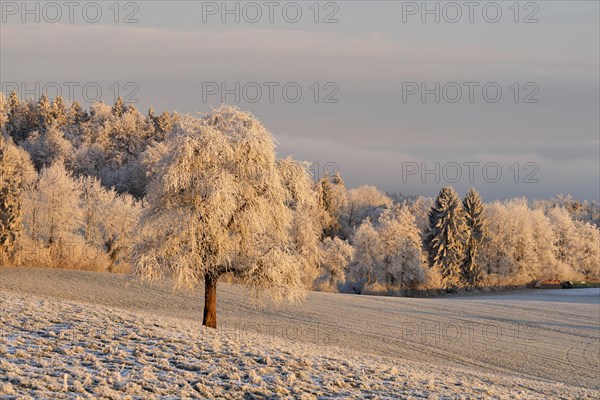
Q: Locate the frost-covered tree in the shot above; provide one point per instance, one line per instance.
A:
(388, 252)
(111, 148)
(59, 112)
(587, 256)
(367, 256)
(401, 258)
(150, 159)
(44, 112)
(420, 209)
(151, 117)
(333, 199)
(162, 124)
(128, 137)
(118, 233)
(48, 147)
(566, 234)
(52, 206)
(95, 207)
(94, 155)
(579, 210)
(119, 107)
(335, 256)
(496, 256)
(10, 202)
(445, 242)
(510, 251)
(220, 205)
(521, 244)
(77, 115)
(364, 201)
(577, 243)
(307, 223)
(545, 264)
(20, 118)
(4, 110)
(475, 220)
(323, 189)
(108, 218)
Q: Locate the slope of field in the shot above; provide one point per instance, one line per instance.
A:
(68, 333)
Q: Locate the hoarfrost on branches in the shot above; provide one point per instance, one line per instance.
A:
(222, 203)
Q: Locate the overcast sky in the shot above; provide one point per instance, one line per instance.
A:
(373, 64)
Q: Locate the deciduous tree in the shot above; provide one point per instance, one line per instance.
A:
(220, 205)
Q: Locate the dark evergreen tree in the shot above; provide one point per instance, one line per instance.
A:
(18, 125)
(324, 193)
(131, 109)
(77, 115)
(445, 239)
(118, 107)
(475, 220)
(332, 199)
(44, 111)
(151, 115)
(59, 112)
(165, 122)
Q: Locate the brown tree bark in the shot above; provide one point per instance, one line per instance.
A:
(210, 301)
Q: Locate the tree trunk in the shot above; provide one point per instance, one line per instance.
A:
(210, 301)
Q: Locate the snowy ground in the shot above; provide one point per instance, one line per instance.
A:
(67, 334)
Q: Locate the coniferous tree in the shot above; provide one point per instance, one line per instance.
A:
(338, 198)
(445, 241)
(131, 109)
(18, 124)
(59, 112)
(13, 100)
(118, 107)
(324, 197)
(151, 118)
(163, 124)
(4, 110)
(333, 199)
(77, 115)
(44, 110)
(13, 109)
(473, 206)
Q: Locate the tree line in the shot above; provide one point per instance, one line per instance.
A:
(195, 198)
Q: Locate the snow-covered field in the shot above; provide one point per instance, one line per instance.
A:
(69, 334)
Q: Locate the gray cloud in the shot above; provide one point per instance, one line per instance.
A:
(369, 54)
